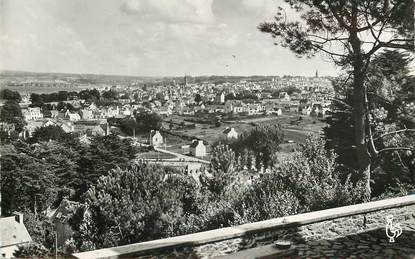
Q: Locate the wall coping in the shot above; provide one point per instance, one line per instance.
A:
(210, 236)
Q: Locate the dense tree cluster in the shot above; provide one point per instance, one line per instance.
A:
(141, 123)
(132, 202)
(6, 94)
(34, 174)
(390, 94)
(288, 89)
(11, 113)
(41, 100)
(351, 33)
(261, 143)
(51, 132)
(144, 202)
(38, 100)
(88, 95)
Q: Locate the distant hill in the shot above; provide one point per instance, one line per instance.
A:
(8, 75)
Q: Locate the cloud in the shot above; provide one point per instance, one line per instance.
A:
(239, 9)
(142, 37)
(170, 11)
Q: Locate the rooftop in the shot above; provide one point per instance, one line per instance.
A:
(13, 232)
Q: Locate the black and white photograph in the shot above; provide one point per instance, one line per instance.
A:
(196, 129)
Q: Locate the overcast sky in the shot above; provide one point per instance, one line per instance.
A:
(145, 37)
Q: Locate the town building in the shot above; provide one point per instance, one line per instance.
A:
(72, 116)
(198, 148)
(60, 217)
(156, 139)
(13, 233)
(86, 114)
(220, 98)
(230, 133)
(32, 113)
(54, 114)
(306, 110)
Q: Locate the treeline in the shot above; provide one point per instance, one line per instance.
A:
(11, 114)
(122, 202)
(138, 124)
(288, 89)
(145, 202)
(36, 177)
(391, 94)
(89, 95)
(46, 167)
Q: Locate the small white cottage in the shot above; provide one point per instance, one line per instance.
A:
(156, 139)
(230, 133)
(198, 148)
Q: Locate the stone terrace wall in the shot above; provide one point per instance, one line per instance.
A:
(319, 225)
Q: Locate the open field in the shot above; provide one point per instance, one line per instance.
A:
(295, 129)
(156, 155)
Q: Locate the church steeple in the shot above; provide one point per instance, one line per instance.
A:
(185, 79)
(316, 73)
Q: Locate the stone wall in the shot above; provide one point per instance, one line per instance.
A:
(329, 229)
(299, 229)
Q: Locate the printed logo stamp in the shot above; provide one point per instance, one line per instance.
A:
(392, 230)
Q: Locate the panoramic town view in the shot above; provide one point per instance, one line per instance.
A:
(207, 129)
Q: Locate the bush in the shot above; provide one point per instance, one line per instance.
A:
(313, 175)
(31, 250)
(263, 141)
(138, 204)
(266, 198)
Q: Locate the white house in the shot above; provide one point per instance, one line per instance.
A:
(294, 108)
(93, 107)
(198, 148)
(49, 123)
(112, 112)
(230, 133)
(86, 114)
(54, 114)
(220, 97)
(306, 110)
(66, 126)
(126, 111)
(164, 111)
(235, 107)
(12, 234)
(156, 139)
(72, 116)
(32, 113)
(284, 96)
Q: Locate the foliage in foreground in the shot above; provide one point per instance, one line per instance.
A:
(147, 202)
(32, 250)
(35, 175)
(391, 94)
(134, 205)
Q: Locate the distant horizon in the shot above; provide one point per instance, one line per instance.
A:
(147, 76)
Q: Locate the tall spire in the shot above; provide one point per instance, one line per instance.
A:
(317, 73)
(185, 79)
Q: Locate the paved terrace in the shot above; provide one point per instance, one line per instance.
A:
(356, 231)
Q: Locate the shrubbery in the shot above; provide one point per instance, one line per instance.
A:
(142, 202)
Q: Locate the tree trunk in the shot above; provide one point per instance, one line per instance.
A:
(359, 115)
